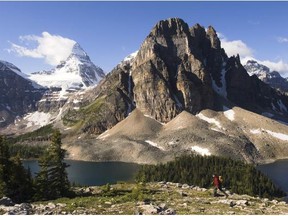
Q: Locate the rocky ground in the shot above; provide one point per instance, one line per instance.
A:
(152, 198)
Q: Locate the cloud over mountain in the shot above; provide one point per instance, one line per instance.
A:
(235, 47)
(52, 48)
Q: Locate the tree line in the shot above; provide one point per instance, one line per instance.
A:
(197, 170)
(21, 145)
(51, 182)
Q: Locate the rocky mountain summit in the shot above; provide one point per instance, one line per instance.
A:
(272, 78)
(162, 198)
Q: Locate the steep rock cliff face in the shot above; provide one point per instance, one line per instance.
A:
(169, 73)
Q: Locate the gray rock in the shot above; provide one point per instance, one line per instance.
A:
(22, 209)
(232, 204)
(183, 194)
(163, 206)
(149, 209)
(170, 211)
(185, 186)
(6, 201)
(242, 202)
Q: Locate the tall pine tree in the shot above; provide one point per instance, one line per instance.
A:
(15, 181)
(21, 185)
(4, 166)
(52, 180)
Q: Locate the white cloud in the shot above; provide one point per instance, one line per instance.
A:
(282, 40)
(246, 53)
(280, 66)
(235, 47)
(52, 48)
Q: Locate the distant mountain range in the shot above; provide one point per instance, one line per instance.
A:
(273, 78)
(178, 93)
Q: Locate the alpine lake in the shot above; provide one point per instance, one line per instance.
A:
(93, 173)
(100, 173)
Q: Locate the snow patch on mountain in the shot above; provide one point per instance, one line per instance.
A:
(201, 151)
(255, 131)
(280, 136)
(154, 145)
(210, 120)
(37, 119)
(283, 108)
(229, 113)
(222, 89)
(129, 59)
(131, 56)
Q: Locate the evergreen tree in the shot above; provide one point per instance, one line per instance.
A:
(42, 181)
(4, 166)
(21, 185)
(15, 181)
(52, 180)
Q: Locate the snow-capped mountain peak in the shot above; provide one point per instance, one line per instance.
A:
(75, 73)
(78, 50)
(273, 78)
(253, 67)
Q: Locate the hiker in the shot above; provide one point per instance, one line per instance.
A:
(217, 181)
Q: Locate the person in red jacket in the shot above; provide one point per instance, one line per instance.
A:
(218, 185)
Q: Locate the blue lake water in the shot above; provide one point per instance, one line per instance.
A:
(93, 173)
(277, 172)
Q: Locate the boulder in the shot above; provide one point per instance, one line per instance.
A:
(6, 201)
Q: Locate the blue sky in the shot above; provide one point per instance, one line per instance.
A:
(109, 31)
